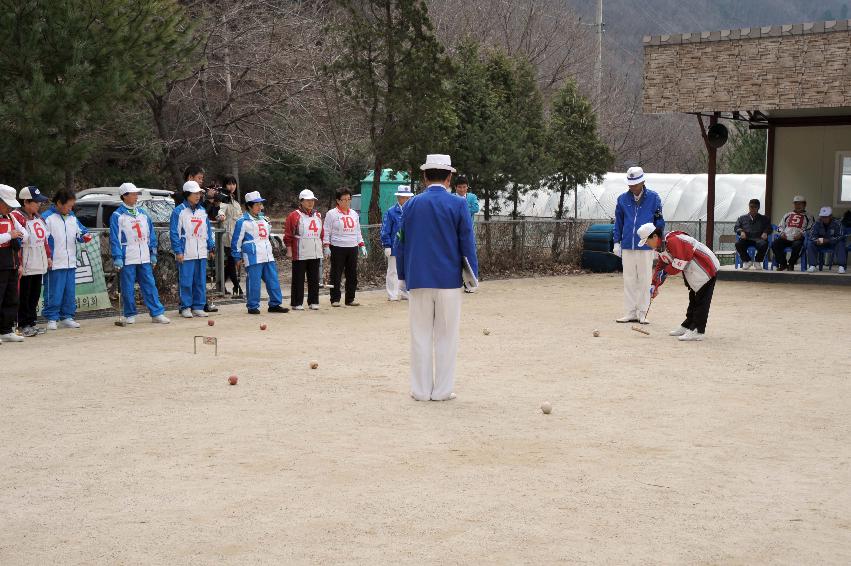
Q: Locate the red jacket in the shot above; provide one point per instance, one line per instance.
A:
(308, 245)
(682, 253)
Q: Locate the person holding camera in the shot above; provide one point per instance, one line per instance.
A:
(229, 212)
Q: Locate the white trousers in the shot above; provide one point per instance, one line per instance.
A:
(395, 291)
(435, 326)
(637, 277)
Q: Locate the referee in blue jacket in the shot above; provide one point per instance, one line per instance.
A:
(435, 237)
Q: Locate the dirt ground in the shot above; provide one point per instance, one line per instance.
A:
(122, 447)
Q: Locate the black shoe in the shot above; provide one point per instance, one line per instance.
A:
(278, 308)
(210, 307)
(237, 291)
(253, 311)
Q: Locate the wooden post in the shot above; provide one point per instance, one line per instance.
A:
(769, 171)
(710, 193)
(710, 185)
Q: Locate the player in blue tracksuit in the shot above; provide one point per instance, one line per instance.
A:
(435, 237)
(251, 245)
(60, 285)
(636, 207)
(133, 244)
(390, 225)
(192, 242)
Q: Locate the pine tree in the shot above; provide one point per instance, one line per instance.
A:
(68, 65)
(575, 153)
(394, 70)
(745, 152)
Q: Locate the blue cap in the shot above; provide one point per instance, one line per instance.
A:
(32, 193)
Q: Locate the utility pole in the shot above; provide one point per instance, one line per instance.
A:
(598, 68)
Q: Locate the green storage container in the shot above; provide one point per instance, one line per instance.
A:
(387, 196)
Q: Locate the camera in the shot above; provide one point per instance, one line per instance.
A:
(219, 194)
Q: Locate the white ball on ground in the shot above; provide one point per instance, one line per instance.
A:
(596, 334)
(546, 407)
(486, 332)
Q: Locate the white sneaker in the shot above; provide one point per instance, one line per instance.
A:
(11, 337)
(678, 331)
(186, 313)
(130, 320)
(757, 266)
(811, 269)
(841, 269)
(51, 325)
(161, 319)
(747, 265)
(314, 307)
(691, 336)
(199, 313)
(625, 319)
(298, 308)
(69, 323)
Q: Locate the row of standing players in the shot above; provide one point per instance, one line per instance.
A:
(41, 248)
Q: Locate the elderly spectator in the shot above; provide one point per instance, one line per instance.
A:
(790, 234)
(389, 229)
(827, 235)
(753, 229)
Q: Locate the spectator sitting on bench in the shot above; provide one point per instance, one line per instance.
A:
(753, 229)
(827, 235)
(790, 234)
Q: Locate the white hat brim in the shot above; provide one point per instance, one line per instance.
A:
(442, 166)
(12, 202)
(642, 242)
(633, 182)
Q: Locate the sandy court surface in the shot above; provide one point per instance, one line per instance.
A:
(122, 447)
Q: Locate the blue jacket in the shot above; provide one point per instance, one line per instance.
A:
(118, 238)
(629, 216)
(390, 225)
(833, 232)
(182, 230)
(436, 233)
(472, 204)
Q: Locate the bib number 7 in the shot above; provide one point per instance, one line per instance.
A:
(196, 226)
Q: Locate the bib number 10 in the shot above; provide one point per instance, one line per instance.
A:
(348, 223)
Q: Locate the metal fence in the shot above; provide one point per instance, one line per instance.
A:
(504, 247)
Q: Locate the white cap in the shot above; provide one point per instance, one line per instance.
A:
(798, 198)
(191, 187)
(306, 194)
(127, 188)
(254, 197)
(438, 161)
(7, 193)
(404, 191)
(644, 232)
(634, 176)
(825, 211)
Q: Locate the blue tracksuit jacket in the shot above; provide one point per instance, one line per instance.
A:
(436, 233)
(629, 216)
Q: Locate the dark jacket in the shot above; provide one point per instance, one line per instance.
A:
(753, 228)
(833, 232)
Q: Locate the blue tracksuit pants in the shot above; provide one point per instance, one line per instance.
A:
(193, 284)
(144, 274)
(60, 294)
(268, 273)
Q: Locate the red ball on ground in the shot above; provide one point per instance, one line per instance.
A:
(262, 327)
(211, 322)
(233, 379)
